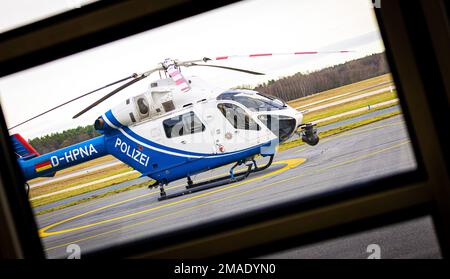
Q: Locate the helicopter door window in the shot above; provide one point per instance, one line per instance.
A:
(192, 123)
(238, 117)
(184, 124)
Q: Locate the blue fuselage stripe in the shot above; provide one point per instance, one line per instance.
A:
(132, 134)
(113, 119)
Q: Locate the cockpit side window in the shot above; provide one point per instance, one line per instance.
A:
(237, 117)
(257, 104)
(184, 124)
(273, 100)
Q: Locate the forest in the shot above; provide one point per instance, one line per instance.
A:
(305, 84)
(287, 88)
(62, 139)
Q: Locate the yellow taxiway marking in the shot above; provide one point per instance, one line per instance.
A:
(233, 196)
(290, 163)
(165, 215)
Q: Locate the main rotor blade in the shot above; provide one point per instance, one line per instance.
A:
(74, 99)
(227, 68)
(110, 94)
(254, 55)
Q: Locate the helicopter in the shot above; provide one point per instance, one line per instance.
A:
(181, 126)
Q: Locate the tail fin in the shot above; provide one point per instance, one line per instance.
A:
(22, 148)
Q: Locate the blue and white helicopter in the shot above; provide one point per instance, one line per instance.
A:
(179, 127)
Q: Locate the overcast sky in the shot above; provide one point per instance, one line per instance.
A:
(254, 26)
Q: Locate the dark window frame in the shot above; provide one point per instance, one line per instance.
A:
(398, 197)
(248, 118)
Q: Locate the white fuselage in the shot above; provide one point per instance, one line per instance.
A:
(206, 119)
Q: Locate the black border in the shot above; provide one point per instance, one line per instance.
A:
(22, 214)
(425, 54)
(142, 24)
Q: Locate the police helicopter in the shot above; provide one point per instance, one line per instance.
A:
(181, 126)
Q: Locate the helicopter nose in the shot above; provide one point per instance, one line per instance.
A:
(282, 125)
(287, 127)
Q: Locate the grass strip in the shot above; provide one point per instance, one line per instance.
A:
(349, 106)
(78, 180)
(76, 192)
(356, 114)
(103, 195)
(358, 86)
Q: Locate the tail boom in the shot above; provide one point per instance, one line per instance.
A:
(47, 164)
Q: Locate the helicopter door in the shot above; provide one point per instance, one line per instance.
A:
(187, 132)
(235, 129)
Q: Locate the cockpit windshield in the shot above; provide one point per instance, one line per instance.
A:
(254, 102)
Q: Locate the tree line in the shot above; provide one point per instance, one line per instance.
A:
(305, 84)
(54, 141)
(287, 88)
